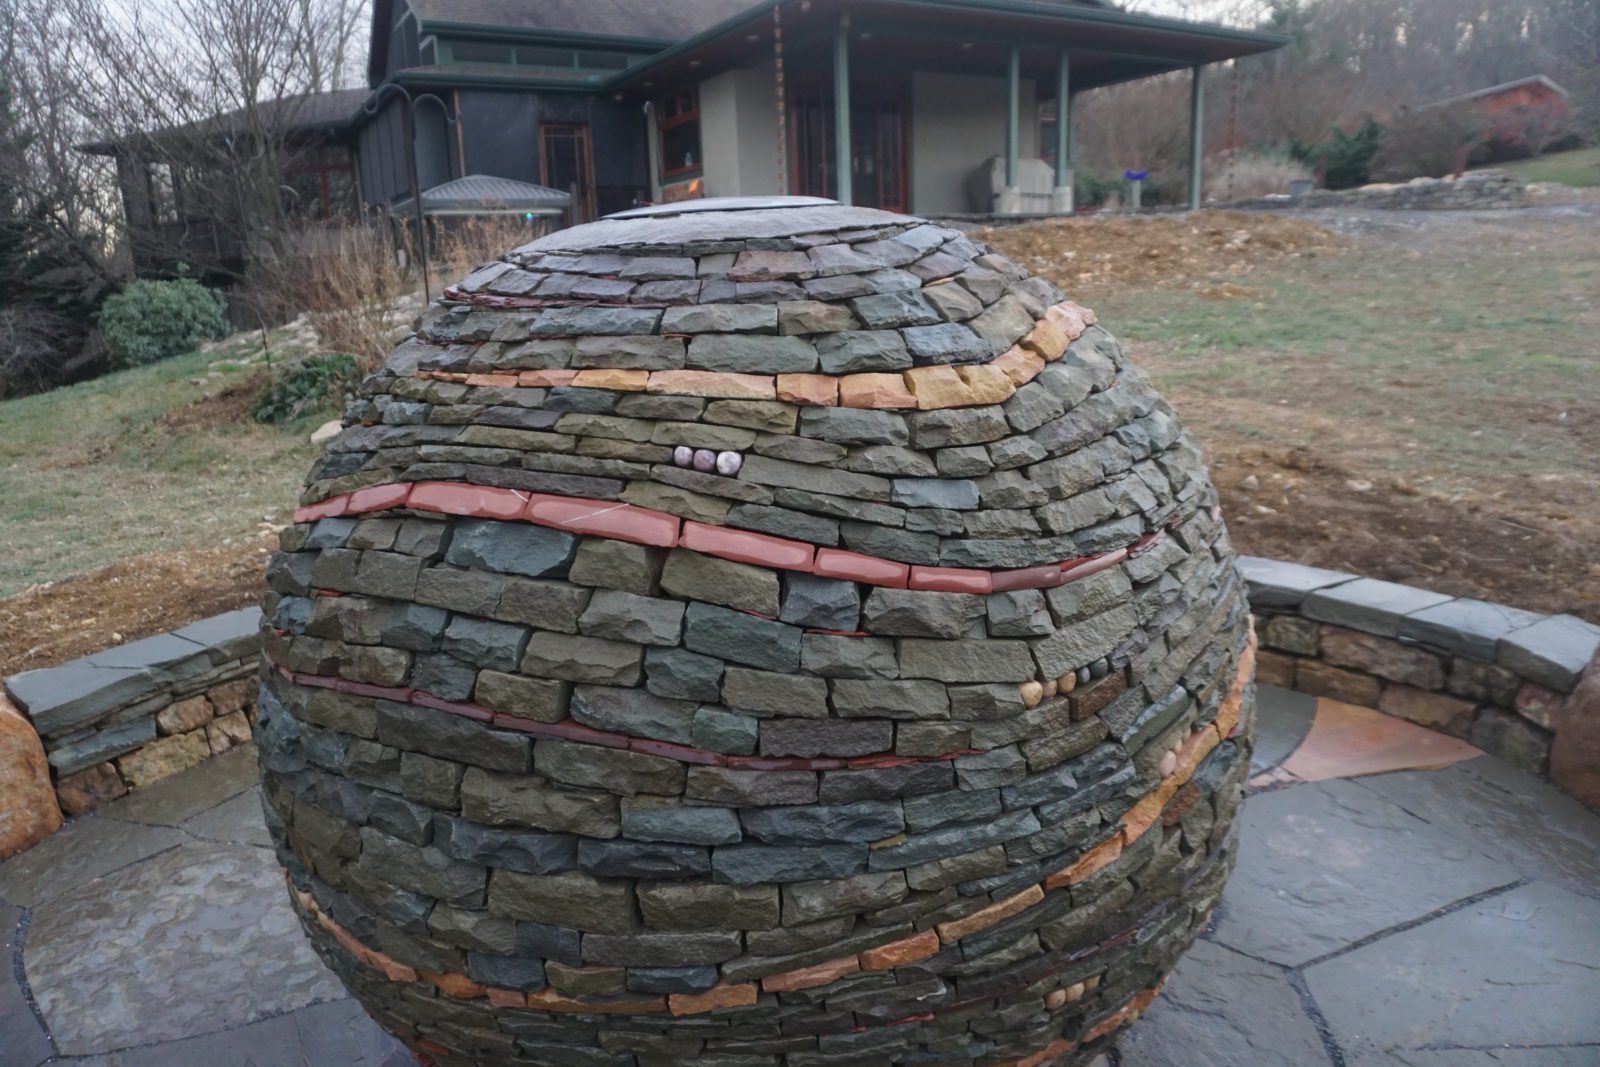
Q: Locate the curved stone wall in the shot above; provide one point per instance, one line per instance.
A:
(786, 636)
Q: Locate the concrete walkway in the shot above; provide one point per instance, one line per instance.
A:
(1442, 917)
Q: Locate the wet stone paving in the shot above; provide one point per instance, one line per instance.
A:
(1397, 902)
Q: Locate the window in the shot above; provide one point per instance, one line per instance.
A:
(570, 62)
(678, 120)
(480, 52)
(163, 191)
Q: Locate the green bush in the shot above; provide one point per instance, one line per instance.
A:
(310, 384)
(1345, 159)
(150, 321)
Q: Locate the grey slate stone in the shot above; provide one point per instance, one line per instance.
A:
(947, 342)
(1470, 628)
(862, 821)
(621, 858)
(720, 730)
(742, 638)
(532, 551)
(1553, 652)
(527, 851)
(1368, 605)
(665, 980)
(493, 645)
(620, 616)
(1275, 584)
(820, 603)
(891, 310)
(956, 494)
(684, 675)
(102, 745)
(765, 864)
(59, 698)
(854, 426)
(810, 739)
(752, 354)
(662, 819)
(450, 737)
(857, 351)
(629, 711)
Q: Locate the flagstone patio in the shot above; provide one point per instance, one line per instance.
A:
(1401, 899)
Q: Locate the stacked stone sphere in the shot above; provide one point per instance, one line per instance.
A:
(779, 635)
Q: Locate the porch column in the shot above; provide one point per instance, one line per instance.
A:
(1061, 195)
(1011, 194)
(1197, 107)
(841, 109)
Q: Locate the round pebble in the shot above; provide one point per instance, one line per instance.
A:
(704, 459)
(1169, 763)
(1067, 682)
(682, 456)
(1075, 992)
(1031, 693)
(728, 463)
(1050, 688)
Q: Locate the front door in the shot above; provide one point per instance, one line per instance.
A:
(877, 144)
(566, 163)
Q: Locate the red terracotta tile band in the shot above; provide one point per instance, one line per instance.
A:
(628, 522)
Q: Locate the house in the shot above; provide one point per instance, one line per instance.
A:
(927, 106)
(894, 104)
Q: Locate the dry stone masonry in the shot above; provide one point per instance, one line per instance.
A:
(776, 634)
(129, 716)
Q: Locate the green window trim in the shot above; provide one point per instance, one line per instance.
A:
(555, 59)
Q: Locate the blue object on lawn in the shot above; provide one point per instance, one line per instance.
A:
(1136, 175)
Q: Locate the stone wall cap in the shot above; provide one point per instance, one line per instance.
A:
(55, 698)
(711, 224)
(1553, 651)
(1368, 604)
(1276, 584)
(1463, 627)
(228, 636)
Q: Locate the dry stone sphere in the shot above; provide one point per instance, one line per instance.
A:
(757, 634)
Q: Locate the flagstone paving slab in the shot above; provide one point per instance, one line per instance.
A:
(1326, 864)
(183, 796)
(1474, 1057)
(335, 1034)
(1507, 815)
(199, 938)
(79, 852)
(1223, 1008)
(1346, 741)
(237, 820)
(1519, 968)
(1283, 719)
(23, 1042)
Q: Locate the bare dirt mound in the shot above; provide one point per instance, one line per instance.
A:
(1191, 251)
(130, 599)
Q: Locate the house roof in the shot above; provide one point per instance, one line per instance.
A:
(648, 23)
(301, 113)
(1106, 44)
(485, 194)
(1503, 87)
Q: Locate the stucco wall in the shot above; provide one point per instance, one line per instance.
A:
(738, 132)
(957, 122)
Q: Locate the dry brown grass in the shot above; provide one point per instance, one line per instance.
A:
(1247, 175)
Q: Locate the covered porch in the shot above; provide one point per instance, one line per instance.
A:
(926, 106)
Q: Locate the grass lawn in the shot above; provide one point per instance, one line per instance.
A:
(1580, 167)
(1424, 407)
(155, 459)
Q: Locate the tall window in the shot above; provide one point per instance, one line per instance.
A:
(566, 164)
(163, 187)
(678, 120)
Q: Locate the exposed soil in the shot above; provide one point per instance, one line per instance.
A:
(1292, 505)
(232, 405)
(1090, 253)
(130, 599)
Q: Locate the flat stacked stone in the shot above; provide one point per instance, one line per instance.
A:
(784, 636)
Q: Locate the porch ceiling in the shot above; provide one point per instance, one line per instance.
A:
(1105, 45)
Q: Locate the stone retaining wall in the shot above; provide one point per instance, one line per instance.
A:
(1507, 680)
(1477, 190)
(131, 715)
